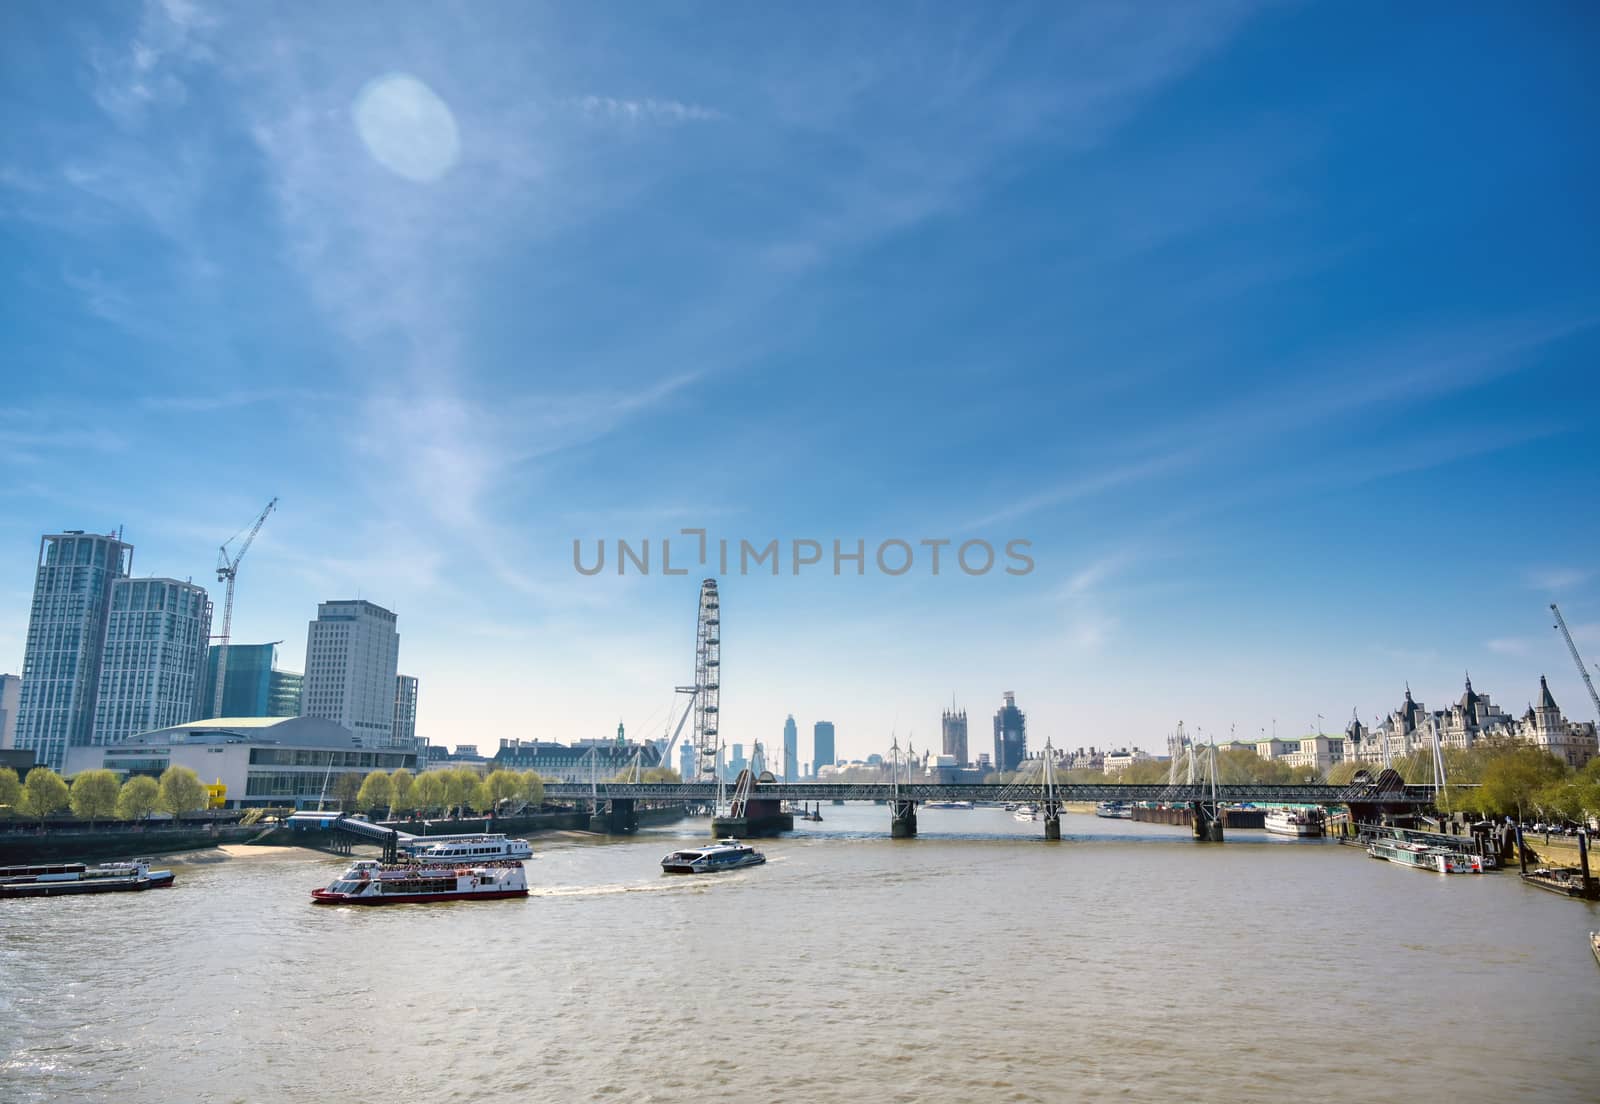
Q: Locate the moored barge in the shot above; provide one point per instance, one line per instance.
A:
(66, 879)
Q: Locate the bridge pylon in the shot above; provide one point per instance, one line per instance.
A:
(1050, 799)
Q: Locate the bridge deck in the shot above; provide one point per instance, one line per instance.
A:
(705, 792)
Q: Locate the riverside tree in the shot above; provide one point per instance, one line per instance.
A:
(10, 789)
(504, 786)
(427, 793)
(532, 788)
(139, 797)
(94, 795)
(459, 785)
(44, 793)
(347, 790)
(181, 792)
(400, 783)
(375, 792)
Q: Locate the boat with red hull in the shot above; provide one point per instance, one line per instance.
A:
(369, 882)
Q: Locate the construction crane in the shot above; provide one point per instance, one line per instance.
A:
(1576, 658)
(227, 572)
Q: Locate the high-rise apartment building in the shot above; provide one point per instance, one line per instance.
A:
(791, 750)
(953, 725)
(822, 745)
(352, 651)
(152, 667)
(1010, 735)
(66, 637)
(405, 710)
(10, 689)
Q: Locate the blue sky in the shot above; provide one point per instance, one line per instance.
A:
(1272, 327)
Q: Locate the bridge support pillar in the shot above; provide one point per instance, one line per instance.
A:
(1207, 819)
(1052, 821)
(616, 818)
(903, 825)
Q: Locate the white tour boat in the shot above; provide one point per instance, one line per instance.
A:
(1024, 812)
(369, 882)
(466, 848)
(723, 855)
(1294, 822)
(947, 804)
(1116, 810)
(1420, 856)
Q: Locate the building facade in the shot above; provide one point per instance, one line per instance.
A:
(252, 686)
(10, 692)
(352, 656)
(263, 761)
(600, 760)
(1010, 735)
(152, 668)
(791, 750)
(823, 753)
(953, 727)
(284, 692)
(66, 638)
(1473, 718)
(405, 710)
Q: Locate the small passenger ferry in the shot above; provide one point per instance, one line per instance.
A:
(1024, 812)
(1116, 810)
(1420, 856)
(947, 805)
(723, 855)
(61, 879)
(369, 882)
(466, 849)
(1293, 822)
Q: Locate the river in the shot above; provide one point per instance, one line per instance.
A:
(970, 964)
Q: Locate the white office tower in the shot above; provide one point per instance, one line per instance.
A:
(10, 694)
(66, 633)
(405, 710)
(352, 652)
(158, 633)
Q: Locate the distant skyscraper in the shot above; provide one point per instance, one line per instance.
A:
(822, 754)
(10, 689)
(253, 685)
(405, 710)
(352, 650)
(791, 750)
(152, 669)
(954, 725)
(66, 637)
(686, 760)
(1010, 735)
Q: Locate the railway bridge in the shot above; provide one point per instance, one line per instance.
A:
(1367, 800)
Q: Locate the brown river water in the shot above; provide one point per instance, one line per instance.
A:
(971, 964)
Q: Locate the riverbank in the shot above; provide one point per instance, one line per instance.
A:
(82, 845)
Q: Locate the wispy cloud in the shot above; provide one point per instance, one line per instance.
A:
(1509, 645)
(611, 109)
(1557, 578)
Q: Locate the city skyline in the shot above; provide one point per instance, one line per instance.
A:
(1277, 445)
